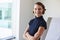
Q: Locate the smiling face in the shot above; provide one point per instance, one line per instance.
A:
(38, 10)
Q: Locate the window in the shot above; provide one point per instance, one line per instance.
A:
(5, 15)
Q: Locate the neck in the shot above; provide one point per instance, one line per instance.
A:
(38, 16)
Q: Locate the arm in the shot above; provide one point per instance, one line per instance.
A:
(26, 30)
(26, 35)
(39, 33)
(29, 36)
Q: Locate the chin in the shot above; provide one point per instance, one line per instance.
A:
(37, 16)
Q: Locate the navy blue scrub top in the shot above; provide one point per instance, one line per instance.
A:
(35, 23)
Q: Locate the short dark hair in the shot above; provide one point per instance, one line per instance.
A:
(41, 4)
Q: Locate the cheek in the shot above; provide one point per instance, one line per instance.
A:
(41, 11)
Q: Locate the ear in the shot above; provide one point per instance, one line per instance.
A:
(33, 10)
(44, 11)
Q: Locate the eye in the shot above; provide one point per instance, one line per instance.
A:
(35, 8)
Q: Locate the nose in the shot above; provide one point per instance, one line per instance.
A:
(37, 10)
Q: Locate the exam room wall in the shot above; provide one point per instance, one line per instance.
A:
(26, 13)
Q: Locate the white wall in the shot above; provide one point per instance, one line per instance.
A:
(26, 13)
(53, 8)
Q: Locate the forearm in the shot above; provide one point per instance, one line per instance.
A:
(39, 33)
(37, 36)
(24, 36)
(29, 36)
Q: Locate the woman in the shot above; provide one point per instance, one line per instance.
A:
(36, 25)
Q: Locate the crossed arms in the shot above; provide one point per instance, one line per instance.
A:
(36, 36)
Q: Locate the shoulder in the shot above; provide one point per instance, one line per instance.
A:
(30, 22)
(43, 23)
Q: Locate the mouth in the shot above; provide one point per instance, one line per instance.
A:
(39, 13)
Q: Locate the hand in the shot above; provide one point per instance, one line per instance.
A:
(29, 36)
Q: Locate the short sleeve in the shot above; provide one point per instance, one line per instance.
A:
(43, 24)
(30, 22)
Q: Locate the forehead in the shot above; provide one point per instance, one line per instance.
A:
(37, 6)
